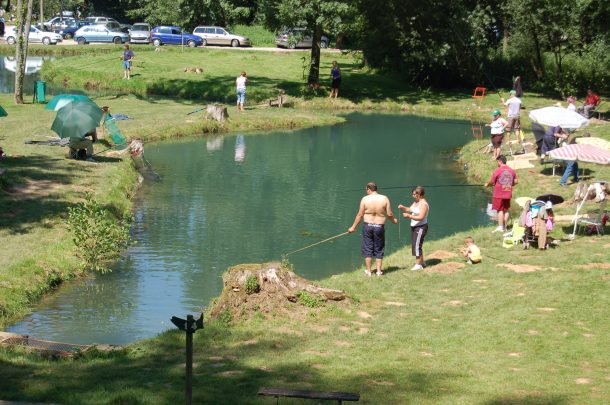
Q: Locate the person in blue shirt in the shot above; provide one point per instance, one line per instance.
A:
(335, 74)
(128, 56)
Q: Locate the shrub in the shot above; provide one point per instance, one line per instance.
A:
(252, 285)
(308, 300)
(97, 234)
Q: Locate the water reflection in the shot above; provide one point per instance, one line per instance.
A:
(8, 66)
(240, 149)
(214, 143)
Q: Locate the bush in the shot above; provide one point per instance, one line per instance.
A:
(252, 285)
(308, 300)
(97, 234)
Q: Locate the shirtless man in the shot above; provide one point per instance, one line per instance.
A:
(374, 208)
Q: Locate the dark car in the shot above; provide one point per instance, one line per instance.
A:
(69, 31)
(172, 35)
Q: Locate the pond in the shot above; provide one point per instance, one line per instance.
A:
(8, 64)
(249, 199)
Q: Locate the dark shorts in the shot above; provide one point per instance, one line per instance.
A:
(513, 123)
(373, 241)
(336, 83)
(500, 204)
(496, 140)
(418, 233)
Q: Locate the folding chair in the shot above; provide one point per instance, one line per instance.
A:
(515, 236)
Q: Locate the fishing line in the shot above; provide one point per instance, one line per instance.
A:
(423, 185)
(317, 243)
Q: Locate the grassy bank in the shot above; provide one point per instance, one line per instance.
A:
(523, 327)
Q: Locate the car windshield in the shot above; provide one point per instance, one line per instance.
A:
(140, 27)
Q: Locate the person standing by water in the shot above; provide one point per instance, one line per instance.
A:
(418, 214)
(513, 105)
(497, 132)
(503, 179)
(240, 84)
(128, 56)
(374, 208)
(335, 74)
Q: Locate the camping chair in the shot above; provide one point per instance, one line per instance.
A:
(516, 235)
(598, 111)
(594, 223)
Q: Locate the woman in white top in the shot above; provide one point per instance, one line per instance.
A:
(418, 213)
(240, 84)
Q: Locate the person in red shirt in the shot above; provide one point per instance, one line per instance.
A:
(503, 179)
(591, 102)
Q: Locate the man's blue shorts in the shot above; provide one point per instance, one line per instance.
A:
(373, 241)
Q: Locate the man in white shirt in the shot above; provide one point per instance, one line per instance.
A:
(513, 113)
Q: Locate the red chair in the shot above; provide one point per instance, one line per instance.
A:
(479, 93)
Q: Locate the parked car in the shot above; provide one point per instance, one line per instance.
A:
(111, 23)
(140, 33)
(172, 35)
(68, 32)
(220, 36)
(99, 33)
(298, 38)
(58, 23)
(36, 36)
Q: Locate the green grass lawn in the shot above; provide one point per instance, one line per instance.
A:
(486, 334)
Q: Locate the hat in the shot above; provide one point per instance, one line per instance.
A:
(512, 92)
(496, 112)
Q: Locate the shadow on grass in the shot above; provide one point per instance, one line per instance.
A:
(28, 199)
(530, 400)
(229, 367)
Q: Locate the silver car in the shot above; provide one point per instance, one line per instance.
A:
(140, 33)
(220, 36)
(298, 38)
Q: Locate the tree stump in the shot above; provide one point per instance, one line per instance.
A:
(277, 287)
(217, 112)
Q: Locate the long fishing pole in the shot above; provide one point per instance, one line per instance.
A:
(317, 243)
(424, 185)
(196, 111)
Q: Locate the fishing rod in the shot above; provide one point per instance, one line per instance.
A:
(196, 111)
(317, 243)
(426, 186)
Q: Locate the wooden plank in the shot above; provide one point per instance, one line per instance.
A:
(281, 392)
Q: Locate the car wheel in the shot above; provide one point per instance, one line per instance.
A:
(156, 42)
(292, 46)
(323, 45)
(46, 41)
(116, 40)
(81, 41)
(235, 43)
(10, 40)
(204, 42)
(191, 44)
(68, 36)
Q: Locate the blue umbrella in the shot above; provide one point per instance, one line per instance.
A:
(62, 100)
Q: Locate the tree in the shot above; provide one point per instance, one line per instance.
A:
(24, 21)
(316, 16)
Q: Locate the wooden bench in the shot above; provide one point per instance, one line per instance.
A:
(328, 396)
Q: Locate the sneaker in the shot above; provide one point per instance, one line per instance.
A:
(469, 261)
(367, 273)
(379, 273)
(498, 229)
(417, 267)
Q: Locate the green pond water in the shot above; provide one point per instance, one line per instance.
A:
(243, 199)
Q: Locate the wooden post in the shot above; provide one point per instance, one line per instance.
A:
(189, 359)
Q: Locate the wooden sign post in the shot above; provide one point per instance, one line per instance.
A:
(190, 326)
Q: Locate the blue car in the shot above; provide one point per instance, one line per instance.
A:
(99, 33)
(172, 35)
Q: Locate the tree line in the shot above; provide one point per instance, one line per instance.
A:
(557, 46)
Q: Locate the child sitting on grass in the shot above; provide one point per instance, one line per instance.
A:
(471, 252)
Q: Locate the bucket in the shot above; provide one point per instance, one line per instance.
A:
(493, 214)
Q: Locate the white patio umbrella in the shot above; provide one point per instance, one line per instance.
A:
(558, 116)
